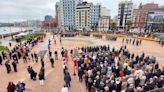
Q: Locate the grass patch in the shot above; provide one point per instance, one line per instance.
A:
(3, 48)
(27, 37)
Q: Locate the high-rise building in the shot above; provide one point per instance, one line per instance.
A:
(124, 13)
(83, 16)
(67, 13)
(57, 12)
(95, 15)
(104, 23)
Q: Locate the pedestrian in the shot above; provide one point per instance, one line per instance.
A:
(11, 87)
(8, 68)
(140, 42)
(20, 87)
(25, 59)
(52, 61)
(54, 41)
(42, 63)
(10, 44)
(123, 40)
(75, 66)
(41, 77)
(56, 55)
(15, 58)
(60, 41)
(36, 57)
(1, 60)
(32, 73)
(64, 89)
(49, 42)
(32, 56)
(29, 70)
(14, 63)
(80, 74)
(71, 52)
(67, 78)
(62, 52)
(64, 65)
(133, 41)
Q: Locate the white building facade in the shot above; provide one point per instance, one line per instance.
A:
(67, 13)
(83, 16)
(124, 13)
(104, 23)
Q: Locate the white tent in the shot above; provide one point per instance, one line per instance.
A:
(21, 34)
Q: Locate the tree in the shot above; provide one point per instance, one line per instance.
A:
(113, 26)
(129, 24)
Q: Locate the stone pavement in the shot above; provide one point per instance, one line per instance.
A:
(54, 76)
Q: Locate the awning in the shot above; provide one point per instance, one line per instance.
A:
(21, 34)
(160, 36)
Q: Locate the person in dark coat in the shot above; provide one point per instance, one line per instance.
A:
(32, 73)
(42, 62)
(3, 55)
(43, 71)
(56, 55)
(36, 57)
(67, 79)
(80, 74)
(11, 87)
(8, 68)
(15, 58)
(20, 87)
(52, 62)
(41, 77)
(29, 71)
(160, 82)
(32, 56)
(14, 63)
(62, 53)
(1, 60)
(129, 90)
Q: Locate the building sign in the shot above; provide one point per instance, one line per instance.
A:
(156, 17)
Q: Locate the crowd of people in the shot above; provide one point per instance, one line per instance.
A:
(106, 70)
(19, 87)
(102, 68)
(19, 51)
(13, 56)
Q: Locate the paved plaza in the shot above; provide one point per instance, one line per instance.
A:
(54, 76)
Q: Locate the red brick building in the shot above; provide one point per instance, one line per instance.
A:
(150, 6)
(139, 17)
(50, 23)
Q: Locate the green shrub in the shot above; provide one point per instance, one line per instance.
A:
(3, 48)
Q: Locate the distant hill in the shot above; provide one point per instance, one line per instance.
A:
(6, 24)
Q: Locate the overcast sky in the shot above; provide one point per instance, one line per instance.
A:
(17, 10)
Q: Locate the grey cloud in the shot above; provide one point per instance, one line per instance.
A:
(30, 9)
(36, 9)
